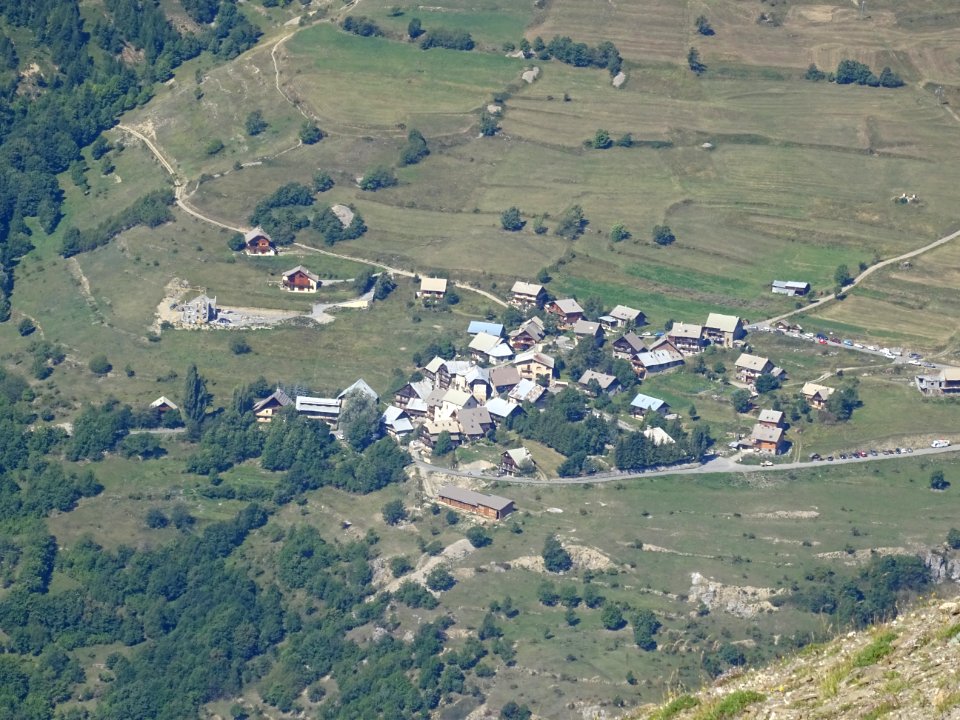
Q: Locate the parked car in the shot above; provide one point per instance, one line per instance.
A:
(815, 456)
(766, 463)
(848, 343)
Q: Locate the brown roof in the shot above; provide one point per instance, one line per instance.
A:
(765, 433)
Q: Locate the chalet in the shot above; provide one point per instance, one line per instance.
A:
(816, 395)
(489, 348)
(432, 288)
(479, 326)
(199, 311)
(791, 288)
(608, 383)
(586, 329)
(527, 296)
(257, 242)
(945, 382)
(162, 404)
(360, 386)
(528, 334)
(651, 362)
(501, 409)
(516, 462)
(265, 409)
(418, 390)
(437, 372)
(643, 404)
(766, 439)
(750, 367)
(504, 378)
(622, 316)
(686, 337)
(532, 365)
(396, 422)
(627, 346)
(433, 402)
(527, 391)
(488, 506)
(567, 312)
(316, 408)
(431, 430)
(477, 383)
(723, 329)
(300, 280)
(770, 418)
(475, 423)
(453, 402)
(658, 436)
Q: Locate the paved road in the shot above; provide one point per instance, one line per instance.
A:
(715, 466)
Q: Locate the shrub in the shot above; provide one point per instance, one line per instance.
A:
(377, 178)
(415, 150)
(612, 617)
(322, 181)
(415, 28)
(361, 25)
(239, 346)
(694, 62)
(953, 538)
(937, 481)
(703, 26)
(400, 565)
(26, 327)
(510, 219)
(478, 536)
(156, 519)
(255, 124)
(310, 133)
(99, 365)
(601, 140)
(663, 235)
(572, 223)
(393, 512)
(619, 233)
(214, 146)
(449, 39)
(555, 558)
(236, 243)
(814, 73)
(439, 579)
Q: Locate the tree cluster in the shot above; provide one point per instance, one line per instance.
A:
(446, 38)
(361, 25)
(853, 72)
(151, 210)
(566, 50)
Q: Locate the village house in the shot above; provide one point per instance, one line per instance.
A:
(257, 242)
(361, 387)
(643, 404)
(945, 382)
(479, 326)
(767, 439)
(771, 418)
(567, 312)
(686, 337)
(265, 409)
(608, 383)
(504, 378)
(501, 409)
(532, 365)
(489, 348)
(528, 334)
(658, 436)
(651, 362)
(317, 408)
(199, 311)
(816, 395)
(432, 288)
(162, 405)
(300, 280)
(622, 317)
(723, 330)
(527, 391)
(750, 367)
(477, 383)
(586, 329)
(515, 462)
(791, 288)
(453, 402)
(527, 296)
(627, 345)
(475, 423)
(488, 506)
(431, 430)
(418, 390)
(396, 422)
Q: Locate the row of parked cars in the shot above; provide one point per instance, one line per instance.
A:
(874, 453)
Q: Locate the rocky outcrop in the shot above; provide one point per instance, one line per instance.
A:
(944, 565)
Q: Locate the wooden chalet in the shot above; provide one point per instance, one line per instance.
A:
(567, 312)
(766, 439)
(488, 506)
(621, 317)
(396, 422)
(257, 242)
(723, 330)
(265, 409)
(163, 404)
(750, 367)
(627, 346)
(643, 404)
(419, 390)
(816, 395)
(771, 418)
(686, 337)
(607, 383)
(587, 329)
(300, 280)
(316, 408)
(432, 288)
(516, 462)
(527, 296)
(475, 423)
(528, 334)
(431, 429)
(504, 378)
(532, 365)
(656, 360)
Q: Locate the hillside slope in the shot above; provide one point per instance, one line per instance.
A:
(904, 669)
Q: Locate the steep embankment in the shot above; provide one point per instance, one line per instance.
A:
(907, 668)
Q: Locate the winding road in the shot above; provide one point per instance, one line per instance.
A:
(715, 466)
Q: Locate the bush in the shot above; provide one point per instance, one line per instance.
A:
(694, 62)
(814, 73)
(400, 565)
(156, 519)
(99, 365)
(236, 242)
(953, 538)
(510, 219)
(415, 150)
(214, 146)
(612, 617)
(663, 235)
(618, 233)
(415, 28)
(377, 178)
(26, 327)
(239, 346)
(310, 133)
(255, 124)
(322, 182)
(439, 579)
(362, 26)
(478, 536)
(555, 558)
(601, 140)
(393, 512)
(938, 481)
(703, 26)
(572, 223)
(488, 124)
